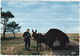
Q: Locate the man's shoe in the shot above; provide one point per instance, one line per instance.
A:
(25, 48)
(28, 49)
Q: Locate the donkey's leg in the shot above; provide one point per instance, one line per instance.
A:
(37, 46)
(40, 46)
(45, 47)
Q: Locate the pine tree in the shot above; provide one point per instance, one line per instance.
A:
(13, 27)
(5, 16)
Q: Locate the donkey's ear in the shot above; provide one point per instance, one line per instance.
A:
(35, 30)
(32, 30)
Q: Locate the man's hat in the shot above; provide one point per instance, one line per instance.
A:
(27, 29)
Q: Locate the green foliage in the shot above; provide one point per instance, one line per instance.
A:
(6, 15)
(12, 27)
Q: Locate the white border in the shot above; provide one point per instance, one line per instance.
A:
(39, 55)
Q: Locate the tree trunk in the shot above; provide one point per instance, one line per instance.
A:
(3, 34)
(4, 30)
(14, 34)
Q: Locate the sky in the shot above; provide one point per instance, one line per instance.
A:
(44, 15)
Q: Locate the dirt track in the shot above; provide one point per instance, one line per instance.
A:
(72, 49)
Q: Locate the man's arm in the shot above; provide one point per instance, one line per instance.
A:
(24, 35)
(29, 35)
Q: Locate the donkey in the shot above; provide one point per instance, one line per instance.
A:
(39, 38)
(56, 34)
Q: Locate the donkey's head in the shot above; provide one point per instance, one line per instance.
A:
(34, 34)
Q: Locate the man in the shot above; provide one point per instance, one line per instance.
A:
(27, 37)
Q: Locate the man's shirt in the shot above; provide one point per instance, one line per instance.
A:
(27, 34)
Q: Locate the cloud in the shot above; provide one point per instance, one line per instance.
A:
(20, 4)
(74, 8)
(68, 19)
(54, 10)
(40, 23)
(73, 30)
(25, 23)
(41, 15)
(72, 19)
(76, 28)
